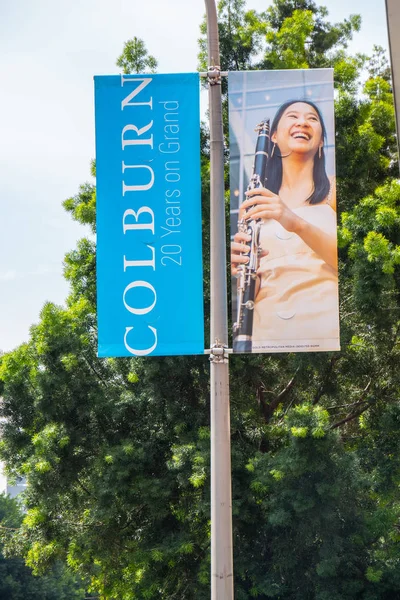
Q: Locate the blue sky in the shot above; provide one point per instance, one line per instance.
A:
(49, 53)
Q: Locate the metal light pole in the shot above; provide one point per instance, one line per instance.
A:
(393, 25)
(221, 494)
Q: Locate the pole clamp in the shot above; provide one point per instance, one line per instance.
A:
(219, 353)
(214, 75)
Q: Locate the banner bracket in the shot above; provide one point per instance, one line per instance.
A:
(214, 75)
(210, 73)
(218, 352)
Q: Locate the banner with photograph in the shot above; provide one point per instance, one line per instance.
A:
(283, 211)
(149, 256)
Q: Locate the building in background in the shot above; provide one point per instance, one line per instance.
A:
(9, 489)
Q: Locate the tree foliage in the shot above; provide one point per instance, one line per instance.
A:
(135, 58)
(16, 579)
(116, 451)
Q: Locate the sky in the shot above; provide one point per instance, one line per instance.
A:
(49, 52)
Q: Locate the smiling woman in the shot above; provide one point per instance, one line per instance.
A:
(299, 129)
(296, 294)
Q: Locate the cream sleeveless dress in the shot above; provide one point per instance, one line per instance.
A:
(297, 304)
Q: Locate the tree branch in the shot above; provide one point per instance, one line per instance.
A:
(91, 367)
(352, 405)
(285, 390)
(269, 408)
(325, 380)
(85, 489)
(350, 417)
(358, 412)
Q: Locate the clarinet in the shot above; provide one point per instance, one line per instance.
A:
(247, 273)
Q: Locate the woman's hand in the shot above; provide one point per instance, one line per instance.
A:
(267, 205)
(239, 246)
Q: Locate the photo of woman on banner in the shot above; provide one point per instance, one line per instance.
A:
(296, 283)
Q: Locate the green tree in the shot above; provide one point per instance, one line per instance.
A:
(17, 581)
(116, 451)
(240, 34)
(379, 65)
(135, 58)
(323, 41)
(311, 534)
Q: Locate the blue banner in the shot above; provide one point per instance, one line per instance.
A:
(149, 257)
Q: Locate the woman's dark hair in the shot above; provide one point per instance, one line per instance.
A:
(274, 166)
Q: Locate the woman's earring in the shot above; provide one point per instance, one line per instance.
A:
(320, 152)
(273, 150)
